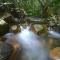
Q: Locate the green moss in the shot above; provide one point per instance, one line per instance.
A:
(4, 29)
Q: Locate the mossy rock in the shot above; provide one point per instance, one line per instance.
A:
(4, 29)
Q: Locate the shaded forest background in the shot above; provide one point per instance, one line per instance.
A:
(37, 7)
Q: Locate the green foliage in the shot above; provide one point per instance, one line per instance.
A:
(35, 7)
(31, 7)
(54, 5)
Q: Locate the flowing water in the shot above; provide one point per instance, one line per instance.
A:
(33, 48)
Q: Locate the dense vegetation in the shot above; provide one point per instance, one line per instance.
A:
(37, 7)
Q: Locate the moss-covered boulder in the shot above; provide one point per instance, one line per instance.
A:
(4, 29)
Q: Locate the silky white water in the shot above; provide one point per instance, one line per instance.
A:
(32, 45)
